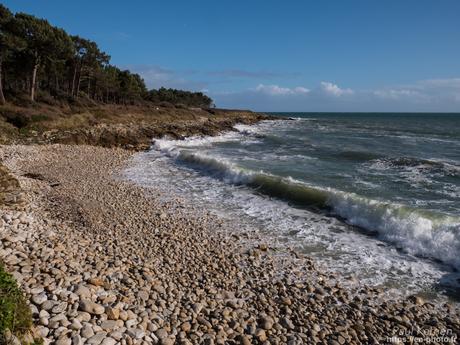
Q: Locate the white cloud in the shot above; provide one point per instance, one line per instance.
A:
(272, 89)
(157, 76)
(334, 90)
(397, 94)
(325, 87)
(441, 94)
(451, 83)
(300, 89)
(425, 91)
(441, 89)
(276, 90)
(435, 95)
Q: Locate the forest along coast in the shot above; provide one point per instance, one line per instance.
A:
(62, 88)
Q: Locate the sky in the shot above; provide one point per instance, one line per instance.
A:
(273, 55)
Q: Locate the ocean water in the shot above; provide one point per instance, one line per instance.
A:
(374, 197)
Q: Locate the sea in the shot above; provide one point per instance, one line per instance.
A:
(373, 197)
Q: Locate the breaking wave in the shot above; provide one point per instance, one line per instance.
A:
(419, 232)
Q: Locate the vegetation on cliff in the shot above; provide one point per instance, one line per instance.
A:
(131, 127)
(56, 87)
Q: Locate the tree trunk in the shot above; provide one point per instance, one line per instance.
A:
(95, 93)
(2, 96)
(79, 80)
(74, 80)
(34, 82)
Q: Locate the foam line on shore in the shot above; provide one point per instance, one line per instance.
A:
(416, 231)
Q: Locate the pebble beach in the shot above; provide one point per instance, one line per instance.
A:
(103, 261)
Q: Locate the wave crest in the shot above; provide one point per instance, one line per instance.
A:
(416, 231)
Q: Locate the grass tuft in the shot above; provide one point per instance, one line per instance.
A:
(15, 314)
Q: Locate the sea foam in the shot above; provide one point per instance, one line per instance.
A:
(418, 232)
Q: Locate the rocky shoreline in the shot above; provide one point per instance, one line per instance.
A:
(130, 127)
(103, 261)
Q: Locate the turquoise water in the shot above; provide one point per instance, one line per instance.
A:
(375, 195)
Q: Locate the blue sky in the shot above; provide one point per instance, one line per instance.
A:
(268, 55)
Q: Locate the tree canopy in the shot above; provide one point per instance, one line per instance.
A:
(37, 57)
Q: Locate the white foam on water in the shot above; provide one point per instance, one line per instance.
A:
(377, 242)
(414, 167)
(416, 232)
(334, 244)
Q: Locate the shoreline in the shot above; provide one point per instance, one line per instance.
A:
(129, 127)
(106, 261)
(200, 169)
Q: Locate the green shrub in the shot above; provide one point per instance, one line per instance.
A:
(38, 342)
(18, 119)
(15, 314)
(40, 118)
